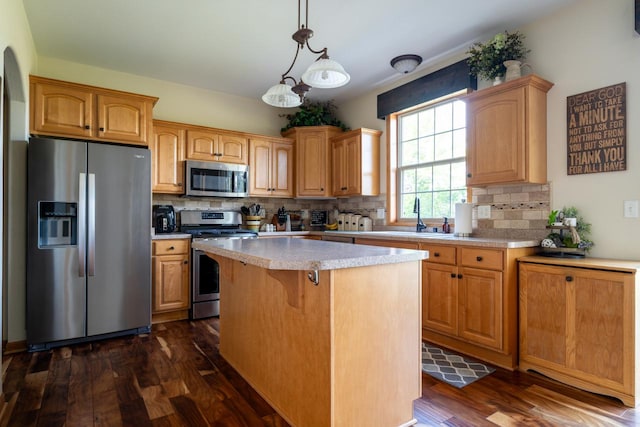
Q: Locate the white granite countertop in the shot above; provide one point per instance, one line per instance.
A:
(168, 236)
(304, 254)
(451, 239)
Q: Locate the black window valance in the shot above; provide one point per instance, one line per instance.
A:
(447, 80)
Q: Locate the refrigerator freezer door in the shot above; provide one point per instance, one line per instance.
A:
(119, 279)
(55, 290)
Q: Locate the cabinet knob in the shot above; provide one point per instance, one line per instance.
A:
(569, 279)
(459, 276)
(180, 185)
(436, 254)
(171, 248)
(468, 175)
(453, 275)
(87, 127)
(478, 258)
(321, 188)
(101, 129)
(185, 262)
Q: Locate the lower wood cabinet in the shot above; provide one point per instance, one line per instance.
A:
(578, 323)
(469, 301)
(170, 279)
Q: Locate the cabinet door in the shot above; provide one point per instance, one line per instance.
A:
(122, 119)
(61, 110)
(232, 149)
(543, 322)
(440, 298)
(202, 145)
(352, 171)
(480, 307)
(170, 282)
(260, 163)
(496, 138)
(338, 168)
(167, 159)
(313, 153)
(282, 169)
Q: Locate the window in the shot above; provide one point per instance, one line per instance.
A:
(431, 147)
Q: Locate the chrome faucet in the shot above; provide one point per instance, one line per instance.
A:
(416, 209)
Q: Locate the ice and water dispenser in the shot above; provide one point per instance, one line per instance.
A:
(57, 224)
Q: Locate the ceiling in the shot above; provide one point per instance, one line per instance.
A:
(242, 47)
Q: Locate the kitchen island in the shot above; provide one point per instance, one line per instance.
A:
(328, 333)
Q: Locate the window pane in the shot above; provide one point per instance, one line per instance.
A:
(457, 196)
(442, 204)
(408, 184)
(459, 115)
(406, 210)
(426, 205)
(444, 146)
(426, 122)
(425, 179)
(426, 150)
(409, 153)
(442, 177)
(459, 143)
(458, 175)
(409, 127)
(444, 117)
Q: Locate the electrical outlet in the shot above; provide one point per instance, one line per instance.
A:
(380, 213)
(631, 208)
(484, 212)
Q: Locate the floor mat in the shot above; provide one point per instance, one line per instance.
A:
(450, 367)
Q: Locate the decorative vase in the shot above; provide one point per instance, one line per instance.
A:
(513, 69)
(497, 80)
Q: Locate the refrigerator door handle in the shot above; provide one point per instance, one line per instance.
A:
(91, 219)
(82, 211)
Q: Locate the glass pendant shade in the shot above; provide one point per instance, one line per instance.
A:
(325, 73)
(281, 95)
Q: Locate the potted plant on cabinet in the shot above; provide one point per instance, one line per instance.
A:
(487, 60)
(314, 114)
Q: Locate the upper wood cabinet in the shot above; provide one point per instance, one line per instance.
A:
(355, 159)
(507, 133)
(217, 145)
(66, 109)
(313, 154)
(271, 167)
(167, 157)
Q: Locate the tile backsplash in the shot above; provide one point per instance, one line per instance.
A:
(517, 211)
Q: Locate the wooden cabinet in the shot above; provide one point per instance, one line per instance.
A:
(470, 300)
(355, 159)
(506, 133)
(72, 110)
(313, 159)
(170, 271)
(386, 243)
(578, 323)
(271, 167)
(216, 145)
(167, 157)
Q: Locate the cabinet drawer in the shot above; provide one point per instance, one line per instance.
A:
(440, 254)
(171, 247)
(481, 258)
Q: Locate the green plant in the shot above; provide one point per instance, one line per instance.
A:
(486, 60)
(552, 217)
(314, 114)
(582, 227)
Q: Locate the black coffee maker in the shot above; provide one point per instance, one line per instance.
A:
(164, 219)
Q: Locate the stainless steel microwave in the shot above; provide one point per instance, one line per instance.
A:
(217, 179)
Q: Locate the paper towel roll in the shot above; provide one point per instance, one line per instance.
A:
(463, 225)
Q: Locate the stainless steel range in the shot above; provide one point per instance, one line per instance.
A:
(205, 272)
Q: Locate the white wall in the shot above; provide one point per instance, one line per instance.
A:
(588, 45)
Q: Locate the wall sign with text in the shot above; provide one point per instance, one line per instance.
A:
(597, 130)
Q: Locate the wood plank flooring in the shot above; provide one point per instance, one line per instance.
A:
(176, 377)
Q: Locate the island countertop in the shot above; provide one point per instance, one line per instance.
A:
(303, 254)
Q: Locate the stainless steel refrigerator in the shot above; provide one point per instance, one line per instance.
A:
(89, 246)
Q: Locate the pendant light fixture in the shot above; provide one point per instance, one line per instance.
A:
(323, 73)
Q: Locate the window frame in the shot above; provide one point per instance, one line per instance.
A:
(393, 176)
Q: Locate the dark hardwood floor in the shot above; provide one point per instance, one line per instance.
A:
(176, 377)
